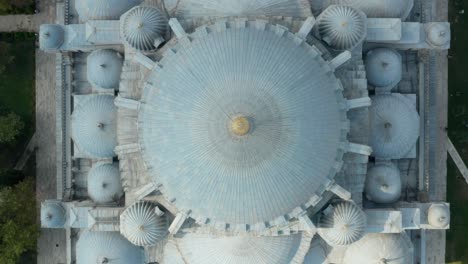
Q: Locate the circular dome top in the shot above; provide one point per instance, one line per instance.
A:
(53, 215)
(380, 249)
(438, 34)
(142, 28)
(94, 126)
(439, 215)
(316, 255)
(343, 225)
(104, 68)
(108, 9)
(51, 36)
(244, 117)
(141, 226)
(107, 247)
(378, 9)
(202, 249)
(342, 27)
(383, 183)
(394, 126)
(104, 185)
(383, 67)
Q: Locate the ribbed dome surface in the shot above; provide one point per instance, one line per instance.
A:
(380, 249)
(245, 125)
(206, 249)
(143, 27)
(394, 126)
(383, 183)
(383, 67)
(141, 226)
(53, 215)
(108, 9)
(438, 34)
(104, 68)
(107, 247)
(343, 225)
(342, 27)
(439, 216)
(377, 9)
(94, 127)
(51, 36)
(104, 185)
(224, 8)
(316, 255)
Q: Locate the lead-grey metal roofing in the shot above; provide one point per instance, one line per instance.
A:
(104, 185)
(282, 85)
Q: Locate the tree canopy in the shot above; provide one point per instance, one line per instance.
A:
(11, 126)
(5, 55)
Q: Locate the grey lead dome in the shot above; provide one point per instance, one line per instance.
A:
(104, 185)
(51, 37)
(104, 68)
(384, 68)
(383, 183)
(53, 215)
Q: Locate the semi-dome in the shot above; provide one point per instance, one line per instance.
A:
(107, 9)
(394, 126)
(342, 27)
(141, 226)
(380, 249)
(143, 27)
(207, 249)
(107, 247)
(51, 37)
(343, 224)
(244, 116)
(94, 126)
(383, 183)
(438, 215)
(438, 34)
(53, 215)
(316, 255)
(104, 185)
(377, 9)
(384, 68)
(104, 68)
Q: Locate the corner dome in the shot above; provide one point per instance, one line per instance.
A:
(108, 9)
(377, 9)
(380, 248)
(343, 224)
(141, 226)
(384, 68)
(94, 126)
(438, 34)
(104, 185)
(383, 183)
(53, 215)
(143, 28)
(439, 215)
(342, 27)
(394, 126)
(107, 247)
(104, 68)
(51, 37)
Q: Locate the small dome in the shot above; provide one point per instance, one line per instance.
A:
(108, 9)
(394, 125)
(383, 183)
(342, 27)
(343, 225)
(107, 247)
(439, 215)
(104, 68)
(142, 28)
(51, 37)
(316, 255)
(104, 185)
(94, 126)
(438, 34)
(141, 226)
(383, 67)
(53, 215)
(380, 249)
(377, 9)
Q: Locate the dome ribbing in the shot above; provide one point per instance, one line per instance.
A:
(104, 185)
(394, 124)
(53, 215)
(343, 225)
(286, 94)
(383, 183)
(51, 37)
(108, 9)
(94, 126)
(107, 247)
(141, 226)
(342, 27)
(439, 216)
(104, 68)
(384, 68)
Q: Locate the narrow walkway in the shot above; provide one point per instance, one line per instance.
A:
(32, 145)
(457, 159)
(14, 23)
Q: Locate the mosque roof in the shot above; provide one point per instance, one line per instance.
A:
(377, 9)
(104, 185)
(104, 68)
(51, 36)
(53, 215)
(257, 124)
(107, 9)
(439, 215)
(384, 68)
(383, 183)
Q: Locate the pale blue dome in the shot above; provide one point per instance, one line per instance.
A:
(104, 68)
(383, 183)
(104, 184)
(51, 37)
(53, 215)
(108, 9)
(384, 67)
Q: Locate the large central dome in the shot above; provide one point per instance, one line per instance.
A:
(243, 124)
